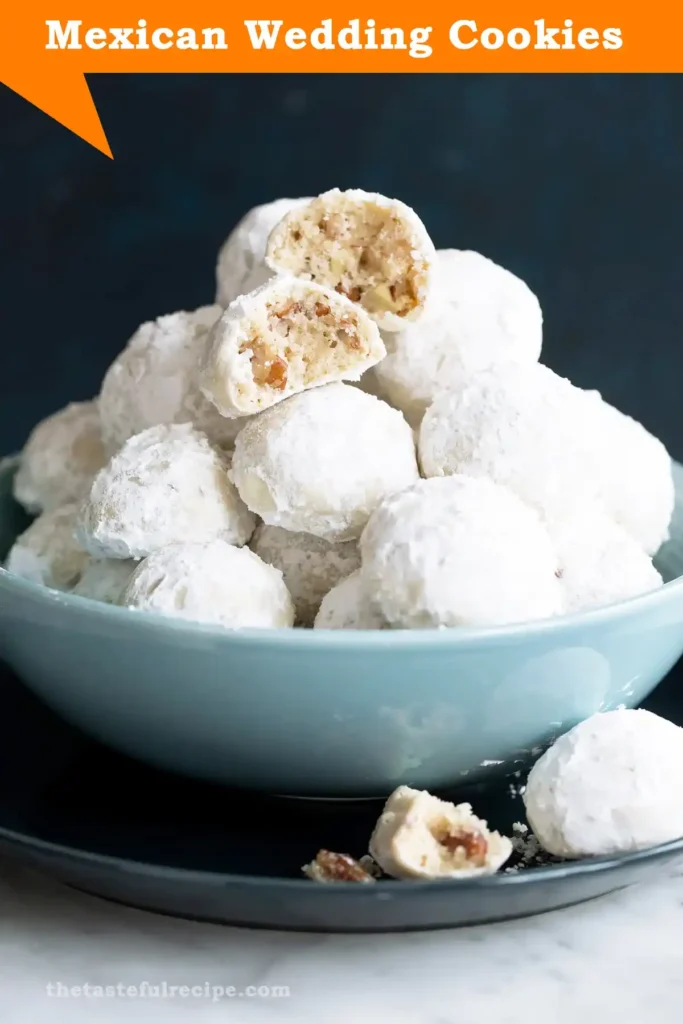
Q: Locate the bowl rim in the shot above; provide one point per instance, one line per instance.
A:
(437, 638)
(15, 587)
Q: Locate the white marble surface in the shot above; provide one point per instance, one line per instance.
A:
(617, 959)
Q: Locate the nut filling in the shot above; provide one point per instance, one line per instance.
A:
(281, 339)
(363, 251)
(464, 848)
(302, 341)
(336, 867)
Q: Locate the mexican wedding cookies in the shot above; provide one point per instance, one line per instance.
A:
(372, 249)
(215, 583)
(322, 461)
(610, 785)
(47, 551)
(166, 485)
(479, 315)
(458, 551)
(60, 459)
(285, 337)
(154, 381)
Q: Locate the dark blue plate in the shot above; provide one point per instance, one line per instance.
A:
(110, 826)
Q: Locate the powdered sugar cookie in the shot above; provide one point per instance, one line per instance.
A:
(347, 606)
(635, 470)
(459, 551)
(60, 458)
(420, 836)
(521, 426)
(213, 582)
(599, 561)
(373, 249)
(610, 785)
(285, 337)
(311, 566)
(479, 316)
(154, 380)
(321, 461)
(241, 265)
(48, 552)
(165, 485)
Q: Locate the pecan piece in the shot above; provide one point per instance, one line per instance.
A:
(277, 374)
(473, 843)
(291, 307)
(330, 226)
(266, 366)
(352, 293)
(336, 867)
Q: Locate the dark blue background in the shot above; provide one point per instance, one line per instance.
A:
(575, 182)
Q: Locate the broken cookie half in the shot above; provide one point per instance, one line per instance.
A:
(420, 836)
(285, 337)
(370, 248)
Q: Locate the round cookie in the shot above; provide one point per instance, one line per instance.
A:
(599, 562)
(635, 469)
(610, 785)
(47, 552)
(214, 583)
(155, 380)
(60, 458)
(322, 461)
(521, 426)
(459, 551)
(347, 606)
(373, 249)
(241, 265)
(105, 579)
(166, 485)
(311, 566)
(480, 315)
(285, 337)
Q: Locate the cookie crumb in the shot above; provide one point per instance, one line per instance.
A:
(527, 852)
(337, 867)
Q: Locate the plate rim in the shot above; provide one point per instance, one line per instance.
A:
(387, 889)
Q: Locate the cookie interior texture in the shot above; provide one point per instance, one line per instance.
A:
(361, 249)
(299, 342)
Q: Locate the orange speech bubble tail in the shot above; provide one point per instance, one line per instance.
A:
(65, 97)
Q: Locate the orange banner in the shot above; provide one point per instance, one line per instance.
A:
(47, 47)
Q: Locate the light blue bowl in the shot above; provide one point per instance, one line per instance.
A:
(318, 713)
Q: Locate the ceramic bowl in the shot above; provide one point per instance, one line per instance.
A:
(333, 714)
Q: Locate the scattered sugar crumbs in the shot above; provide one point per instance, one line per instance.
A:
(527, 852)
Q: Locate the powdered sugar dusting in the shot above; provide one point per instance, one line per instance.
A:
(322, 461)
(60, 458)
(164, 486)
(155, 381)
